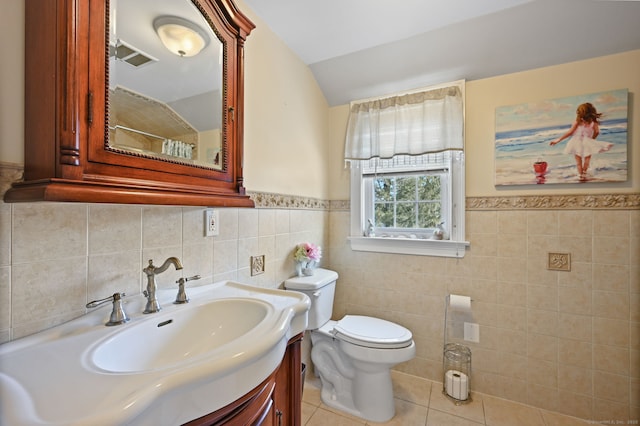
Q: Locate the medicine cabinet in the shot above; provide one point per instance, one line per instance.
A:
(113, 115)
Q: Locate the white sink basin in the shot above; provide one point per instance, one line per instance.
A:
(179, 337)
(165, 368)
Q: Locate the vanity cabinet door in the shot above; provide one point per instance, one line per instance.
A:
(71, 153)
(288, 392)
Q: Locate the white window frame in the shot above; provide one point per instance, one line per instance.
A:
(453, 209)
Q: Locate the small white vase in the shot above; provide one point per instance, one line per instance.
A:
(299, 268)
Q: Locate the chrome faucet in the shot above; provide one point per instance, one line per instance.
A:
(150, 292)
(118, 316)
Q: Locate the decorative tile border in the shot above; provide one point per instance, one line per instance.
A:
(10, 172)
(556, 202)
(280, 201)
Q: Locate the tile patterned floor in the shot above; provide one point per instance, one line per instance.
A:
(420, 402)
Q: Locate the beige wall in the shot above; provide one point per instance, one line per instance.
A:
(286, 119)
(12, 81)
(620, 71)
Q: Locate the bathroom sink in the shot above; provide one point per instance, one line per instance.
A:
(164, 368)
(179, 337)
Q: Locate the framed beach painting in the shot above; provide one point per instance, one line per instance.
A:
(575, 139)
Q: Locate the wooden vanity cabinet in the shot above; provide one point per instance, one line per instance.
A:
(67, 152)
(277, 401)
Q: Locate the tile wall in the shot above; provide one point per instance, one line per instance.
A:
(55, 257)
(561, 341)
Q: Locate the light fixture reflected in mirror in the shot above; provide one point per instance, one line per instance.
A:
(180, 36)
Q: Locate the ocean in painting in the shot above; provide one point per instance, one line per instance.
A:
(518, 150)
(519, 144)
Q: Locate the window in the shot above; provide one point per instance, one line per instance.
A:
(411, 204)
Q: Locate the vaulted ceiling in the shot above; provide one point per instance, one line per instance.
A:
(362, 48)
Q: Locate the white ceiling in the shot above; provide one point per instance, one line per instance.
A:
(362, 48)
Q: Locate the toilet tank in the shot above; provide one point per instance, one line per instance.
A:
(320, 287)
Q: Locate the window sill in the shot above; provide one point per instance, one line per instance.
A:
(442, 248)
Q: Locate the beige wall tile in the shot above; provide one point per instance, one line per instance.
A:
(575, 222)
(611, 223)
(5, 299)
(611, 277)
(610, 332)
(576, 327)
(34, 289)
(43, 231)
(544, 222)
(575, 352)
(193, 227)
(114, 273)
(248, 223)
(542, 322)
(512, 269)
(161, 226)
(5, 234)
(542, 347)
(512, 245)
(577, 380)
(611, 359)
(574, 300)
(573, 404)
(611, 305)
(611, 250)
(611, 387)
(512, 222)
(542, 297)
(485, 222)
(114, 228)
(266, 222)
(229, 218)
(580, 276)
(543, 373)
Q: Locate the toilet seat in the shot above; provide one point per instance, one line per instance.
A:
(371, 332)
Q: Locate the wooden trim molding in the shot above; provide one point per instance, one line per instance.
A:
(11, 172)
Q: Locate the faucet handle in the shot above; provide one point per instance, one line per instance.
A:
(182, 295)
(100, 302)
(118, 316)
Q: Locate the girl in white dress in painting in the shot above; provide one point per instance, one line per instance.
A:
(583, 145)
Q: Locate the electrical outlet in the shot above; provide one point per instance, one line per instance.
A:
(211, 223)
(257, 265)
(471, 332)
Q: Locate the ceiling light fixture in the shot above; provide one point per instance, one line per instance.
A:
(180, 36)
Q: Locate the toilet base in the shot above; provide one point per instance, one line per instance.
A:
(364, 391)
(381, 409)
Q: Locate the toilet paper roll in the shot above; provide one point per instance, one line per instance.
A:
(456, 384)
(459, 302)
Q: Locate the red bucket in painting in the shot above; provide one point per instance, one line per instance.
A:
(540, 167)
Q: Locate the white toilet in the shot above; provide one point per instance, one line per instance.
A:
(352, 356)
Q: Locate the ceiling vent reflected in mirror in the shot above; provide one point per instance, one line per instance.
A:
(127, 53)
(180, 36)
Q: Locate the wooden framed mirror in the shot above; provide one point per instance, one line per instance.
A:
(112, 115)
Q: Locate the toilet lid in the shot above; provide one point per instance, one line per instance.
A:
(372, 332)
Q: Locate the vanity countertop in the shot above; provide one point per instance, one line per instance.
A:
(51, 378)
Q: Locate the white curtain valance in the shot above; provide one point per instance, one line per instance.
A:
(411, 124)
